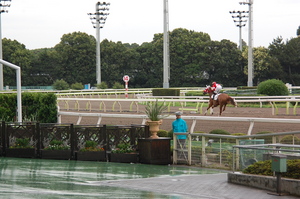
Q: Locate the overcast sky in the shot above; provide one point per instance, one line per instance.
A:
(41, 23)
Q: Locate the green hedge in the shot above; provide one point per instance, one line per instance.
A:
(40, 107)
(272, 87)
(264, 168)
(165, 92)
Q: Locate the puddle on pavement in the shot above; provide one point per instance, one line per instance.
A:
(38, 178)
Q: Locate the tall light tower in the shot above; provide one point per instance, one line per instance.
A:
(166, 46)
(239, 15)
(250, 42)
(98, 20)
(3, 9)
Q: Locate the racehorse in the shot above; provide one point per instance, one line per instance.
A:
(222, 100)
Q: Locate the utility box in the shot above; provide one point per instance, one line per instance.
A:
(279, 163)
(155, 151)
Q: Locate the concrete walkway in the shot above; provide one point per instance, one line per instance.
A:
(212, 186)
(56, 179)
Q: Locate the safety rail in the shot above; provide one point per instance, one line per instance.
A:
(199, 103)
(193, 118)
(212, 150)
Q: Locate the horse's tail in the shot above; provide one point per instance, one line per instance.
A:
(231, 100)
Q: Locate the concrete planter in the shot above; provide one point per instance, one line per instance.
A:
(289, 186)
(91, 155)
(56, 154)
(124, 157)
(20, 152)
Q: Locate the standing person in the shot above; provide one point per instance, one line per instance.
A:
(216, 88)
(179, 126)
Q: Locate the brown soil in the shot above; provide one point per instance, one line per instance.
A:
(206, 126)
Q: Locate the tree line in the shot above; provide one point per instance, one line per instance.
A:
(195, 60)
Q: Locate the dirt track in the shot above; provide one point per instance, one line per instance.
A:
(206, 126)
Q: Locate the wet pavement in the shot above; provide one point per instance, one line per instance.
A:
(51, 179)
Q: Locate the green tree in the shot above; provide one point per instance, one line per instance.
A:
(77, 58)
(292, 60)
(45, 67)
(117, 61)
(265, 66)
(186, 48)
(16, 53)
(148, 74)
(223, 63)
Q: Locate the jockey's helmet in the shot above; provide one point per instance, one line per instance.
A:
(214, 83)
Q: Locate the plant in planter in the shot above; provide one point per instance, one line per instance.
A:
(124, 153)
(91, 152)
(21, 147)
(22, 143)
(154, 112)
(57, 149)
(124, 148)
(91, 146)
(57, 145)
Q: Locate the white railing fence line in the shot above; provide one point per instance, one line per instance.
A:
(202, 155)
(193, 118)
(182, 101)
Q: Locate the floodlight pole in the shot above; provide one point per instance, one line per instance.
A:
(3, 7)
(250, 43)
(239, 23)
(99, 19)
(166, 46)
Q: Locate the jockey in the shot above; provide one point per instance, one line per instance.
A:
(216, 88)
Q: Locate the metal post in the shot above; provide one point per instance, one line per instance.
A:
(250, 47)
(3, 7)
(250, 43)
(18, 77)
(98, 59)
(239, 23)
(1, 55)
(166, 46)
(99, 19)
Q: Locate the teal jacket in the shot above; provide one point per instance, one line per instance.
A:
(180, 126)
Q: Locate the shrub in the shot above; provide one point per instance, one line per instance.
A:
(170, 134)
(61, 85)
(272, 87)
(118, 85)
(102, 85)
(264, 168)
(162, 133)
(77, 86)
(219, 131)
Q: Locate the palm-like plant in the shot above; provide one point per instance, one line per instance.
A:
(154, 110)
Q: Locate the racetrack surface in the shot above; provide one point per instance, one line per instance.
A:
(206, 126)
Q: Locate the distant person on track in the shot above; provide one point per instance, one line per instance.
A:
(216, 88)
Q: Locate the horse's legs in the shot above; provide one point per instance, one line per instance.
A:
(210, 106)
(221, 109)
(224, 107)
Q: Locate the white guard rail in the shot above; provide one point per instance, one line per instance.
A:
(270, 99)
(193, 118)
